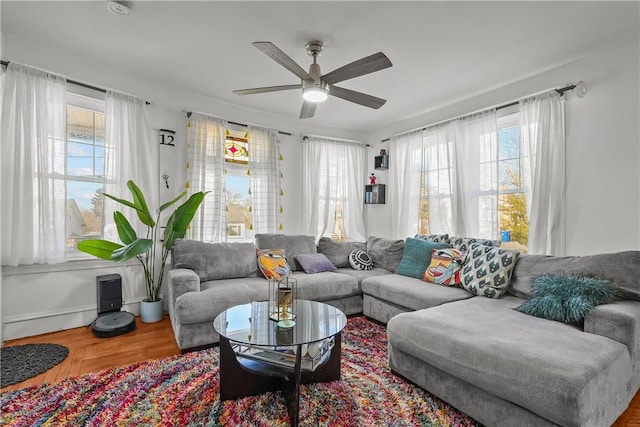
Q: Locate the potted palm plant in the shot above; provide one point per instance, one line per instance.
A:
(144, 249)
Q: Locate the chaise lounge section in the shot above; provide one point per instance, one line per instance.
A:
(506, 368)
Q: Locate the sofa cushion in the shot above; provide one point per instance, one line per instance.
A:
(325, 286)
(410, 293)
(566, 298)
(291, 244)
(416, 256)
(487, 270)
(338, 252)
(213, 261)
(360, 275)
(386, 253)
(622, 269)
(553, 369)
(217, 296)
(360, 260)
(314, 263)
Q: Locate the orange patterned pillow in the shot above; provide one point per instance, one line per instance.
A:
(273, 263)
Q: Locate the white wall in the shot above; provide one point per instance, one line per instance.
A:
(603, 148)
(39, 299)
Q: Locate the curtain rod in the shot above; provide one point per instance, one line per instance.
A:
(561, 91)
(304, 138)
(73, 82)
(281, 132)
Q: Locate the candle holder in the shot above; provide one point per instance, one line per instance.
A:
(282, 301)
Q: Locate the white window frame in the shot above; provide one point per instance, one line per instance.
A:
(92, 101)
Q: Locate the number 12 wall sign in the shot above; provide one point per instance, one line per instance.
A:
(167, 137)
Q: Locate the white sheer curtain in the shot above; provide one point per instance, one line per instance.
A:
(475, 175)
(405, 182)
(205, 172)
(32, 166)
(265, 173)
(131, 153)
(333, 175)
(542, 132)
(438, 179)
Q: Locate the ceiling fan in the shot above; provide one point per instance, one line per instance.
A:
(315, 86)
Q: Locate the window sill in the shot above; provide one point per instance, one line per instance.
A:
(75, 265)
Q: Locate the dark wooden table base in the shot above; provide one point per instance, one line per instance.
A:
(250, 378)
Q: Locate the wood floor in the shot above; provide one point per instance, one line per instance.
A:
(149, 341)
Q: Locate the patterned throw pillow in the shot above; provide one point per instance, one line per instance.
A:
(567, 298)
(417, 257)
(487, 270)
(437, 238)
(463, 243)
(273, 263)
(445, 267)
(315, 263)
(360, 260)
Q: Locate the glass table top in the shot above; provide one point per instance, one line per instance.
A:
(250, 324)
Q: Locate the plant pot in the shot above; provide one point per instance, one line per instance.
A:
(151, 311)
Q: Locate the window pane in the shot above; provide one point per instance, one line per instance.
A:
(238, 203)
(509, 143)
(513, 220)
(510, 175)
(84, 212)
(85, 142)
(85, 159)
(80, 166)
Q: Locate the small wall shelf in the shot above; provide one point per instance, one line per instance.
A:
(375, 194)
(381, 162)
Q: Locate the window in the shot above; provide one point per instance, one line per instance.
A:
(236, 157)
(501, 188)
(513, 221)
(84, 176)
(332, 195)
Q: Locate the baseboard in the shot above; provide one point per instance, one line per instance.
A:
(56, 320)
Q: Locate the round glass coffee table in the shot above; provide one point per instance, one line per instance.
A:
(256, 355)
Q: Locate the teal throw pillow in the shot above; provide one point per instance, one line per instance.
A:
(565, 298)
(417, 257)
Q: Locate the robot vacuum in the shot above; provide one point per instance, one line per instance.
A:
(111, 321)
(115, 323)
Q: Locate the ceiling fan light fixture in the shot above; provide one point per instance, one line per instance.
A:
(314, 94)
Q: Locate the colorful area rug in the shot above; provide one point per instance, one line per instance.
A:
(20, 362)
(184, 391)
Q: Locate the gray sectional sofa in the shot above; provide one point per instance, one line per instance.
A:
(500, 366)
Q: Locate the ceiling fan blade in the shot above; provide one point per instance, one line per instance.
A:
(283, 59)
(357, 97)
(308, 110)
(376, 62)
(266, 89)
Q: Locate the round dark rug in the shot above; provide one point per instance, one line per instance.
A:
(20, 362)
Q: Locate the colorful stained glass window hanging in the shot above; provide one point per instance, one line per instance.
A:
(236, 148)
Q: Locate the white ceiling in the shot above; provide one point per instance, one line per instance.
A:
(441, 51)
